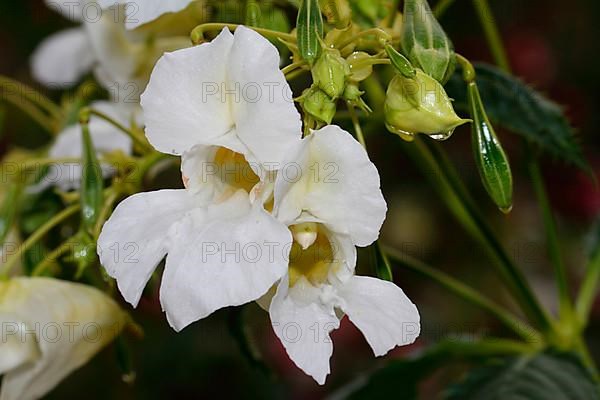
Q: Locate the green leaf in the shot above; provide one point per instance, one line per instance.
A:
(91, 182)
(541, 377)
(425, 42)
(515, 106)
(309, 30)
(491, 159)
(383, 268)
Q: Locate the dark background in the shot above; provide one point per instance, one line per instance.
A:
(552, 45)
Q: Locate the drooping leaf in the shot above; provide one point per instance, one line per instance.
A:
(540, 377)
(309, 30)
(492, 162)
(513, 105)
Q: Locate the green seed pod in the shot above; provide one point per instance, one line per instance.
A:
(419, 105)
(309, 30)
(318, 104)
(91, 181)
(491, 159)
(329, 73)
(425, 42)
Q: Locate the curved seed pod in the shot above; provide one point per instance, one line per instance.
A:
(491, 159)
(309, 30)
(425, 42)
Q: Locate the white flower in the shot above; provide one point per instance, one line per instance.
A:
(105, 136)
(334, 205)
(50, 328)
(121, 60)
(140, 12)
(229, 93)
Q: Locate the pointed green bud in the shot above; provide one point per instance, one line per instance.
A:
(91, 180)
(329, 73)
(425, 42)
(491, 159)
(309, 30)
(318, 104)
(419, 105)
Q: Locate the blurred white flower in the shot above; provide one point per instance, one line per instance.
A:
(121, 59)
(334, 205)
(105, 136)
(49, 329)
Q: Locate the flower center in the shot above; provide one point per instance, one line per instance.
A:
(233, 170)
(314, 262)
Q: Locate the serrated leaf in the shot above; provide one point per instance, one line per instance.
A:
(541, 377)
(510, 103)
(309, 30)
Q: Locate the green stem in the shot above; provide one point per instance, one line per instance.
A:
(553, 245)
(109, 202)
(64, 247)
(293, 66)
(383, 35)
(488, 22)
(197, 34)
(129, 132)
(509, 272)
(357, 128)
(32, 95)
(467, 293)
(589, 289)
(33, 111)
(36, 236)
(441, 7)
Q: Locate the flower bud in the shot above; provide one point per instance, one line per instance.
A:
(419, 105)
(330, 72)
(360, 67)
(425, 42)
(318, 104)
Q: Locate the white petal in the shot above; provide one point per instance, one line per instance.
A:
(339, 185)
(303, 323)
(265, 116)
(68, 322)
(225, 255)
(105, 136)
(140, 12)
(182, 105)
(134, 240)
(70, 9)
(382, 312)
(14, 351)
(63, 58)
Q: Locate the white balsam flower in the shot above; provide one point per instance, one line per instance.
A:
(105, 136)
(49, 329)
(334, 205)
(223, 248)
